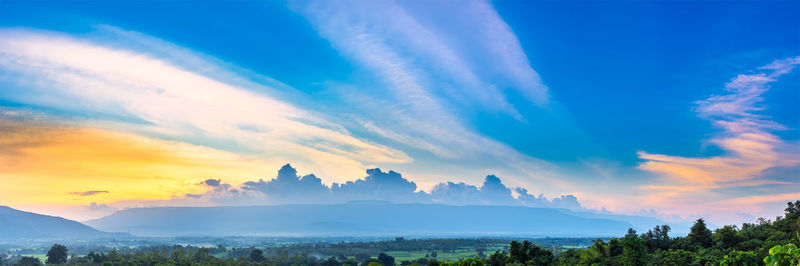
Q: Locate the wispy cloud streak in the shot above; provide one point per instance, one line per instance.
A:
(750, 147)
(427, 78)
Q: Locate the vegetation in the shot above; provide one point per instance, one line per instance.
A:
(765, 242)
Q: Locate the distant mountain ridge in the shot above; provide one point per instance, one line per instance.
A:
(16, 224)
(361, 218)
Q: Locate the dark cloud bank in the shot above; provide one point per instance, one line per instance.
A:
(289, 188)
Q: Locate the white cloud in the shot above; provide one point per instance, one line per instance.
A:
(63, 72)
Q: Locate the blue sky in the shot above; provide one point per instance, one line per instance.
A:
(562, 98)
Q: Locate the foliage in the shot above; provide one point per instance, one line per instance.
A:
(787, 254)
(29, 261)
(783, 255)
(740, 258)
(57, 254)
(700, 235)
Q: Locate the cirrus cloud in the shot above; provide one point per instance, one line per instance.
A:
(751, 149)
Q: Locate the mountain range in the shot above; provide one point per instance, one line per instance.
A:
(366, 218)
(357, 218)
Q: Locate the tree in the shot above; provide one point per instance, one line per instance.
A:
(57, 254)
(657, 238)
(331, 262)
(497, 258)
(386, 260)
(631, 232)
(202, 254)
(726, 237)
(699, 234)
(614, 247)
(633, 250)
(539, 256)
(96, 258)
(361, 257)
(371, 262)
(672, 257)
(29, 261)
(518, 252)
(257, 255)
(793, 210)
(569, 257)
(597, 253)
(737, 257)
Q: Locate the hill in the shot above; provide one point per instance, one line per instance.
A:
(355, 219)
(16, 224)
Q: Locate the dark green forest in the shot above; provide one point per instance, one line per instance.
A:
(770, 242)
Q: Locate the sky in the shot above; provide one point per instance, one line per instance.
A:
(676, 110)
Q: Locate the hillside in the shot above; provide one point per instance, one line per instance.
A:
(355, 219)
(16, 224)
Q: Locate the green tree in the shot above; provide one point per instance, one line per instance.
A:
(539, 256)
(361, 257)
(726, 237)
(657, 238)
(614, 247)
(699, 234)
(672, 257)
(740, 258)
(498, 258)
(257, 255)
(29, 261)
(202, 254)
(331, 262)
(371, 262)
(793, 210)
(633, 251)
(569, 257)
(57, 254)
(475, 261)
(385, 259)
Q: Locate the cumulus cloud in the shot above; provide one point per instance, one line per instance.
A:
(379, 185)
(287, 187)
